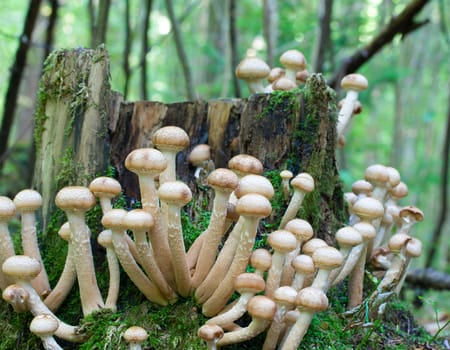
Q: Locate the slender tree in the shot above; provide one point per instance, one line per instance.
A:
(270, 9)
(17, 69)
(234, 45)
(148, 4)
(127, 49)
(323, 37)
(98, 21)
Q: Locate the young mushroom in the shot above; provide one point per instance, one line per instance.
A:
(325, 260)
(253, 70)
(211, 334)
(286, 176)
(293, 61)
(7, 211)
(135, 336)
(45, 326)
(200, 158)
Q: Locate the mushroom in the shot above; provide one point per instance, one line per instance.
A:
(75, 201)
(68, 276)
(7, 211)
(211, 334)
(353, 84)
(303, 266)
(293, 61)
(22, 269)
(27, 202)
(113, 220)
(378, 176)
(286, 176)
(176, 194)
(301, 77)
(200, 157)
(140, 223)
(283, 84)
(247, 285)
(325, 260)
(45, 326)
(261, 260)
(17, 297)
(284, 298)
(282, 243)
(274, 74)
(135, 336)
(147, 163)
(252, 207)
(302, 183)
(309, 301)
(223, 181)
(253, 70)
(262, 310)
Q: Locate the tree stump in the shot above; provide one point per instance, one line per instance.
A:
(285, 130)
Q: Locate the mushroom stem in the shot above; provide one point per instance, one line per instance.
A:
(105, 240)
(7, 211)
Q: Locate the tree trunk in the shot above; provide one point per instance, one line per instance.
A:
(74, 107)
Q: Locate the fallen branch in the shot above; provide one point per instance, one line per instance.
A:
(429, 278)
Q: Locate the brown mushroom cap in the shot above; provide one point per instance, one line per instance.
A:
(104, 186)
(362, 187)
(245, 164)
(394, 176)
(348, 237)
(293, 59)
(366, 230)
(377, 174)
(44, 325)
(286, 175)
(302, 229)
(253, 205)
(75, 198)
(135, 335)
(327, 258)
(171, 139)
(261, 307)
(210, 332)
(104, 238)
(249, 283)
(398, 241)
(368, 208)
(399, 191)
(175, 193)
(310, 246)
(252, 68)
(223, 180)
(303, 264)
(254, 184)
(138, 219)
(355, 82)
(303, 182)
(275, 73)
(413, 248)
(114, 218)
(302, 76)
(21, 267)
(261, 259)
(285, 295)
(7, 208)
(282, 241)
(312, 299)
(411, 211)
(28, 200)
(200, 154)
(147, 161)
(283, 84)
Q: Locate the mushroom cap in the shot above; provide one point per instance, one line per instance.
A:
(355, 82)
(377, 175)
(399, 191)
(303, 182)
(293, 59)
(275, 73)
(310, 246)
(146, 161)
(104, 238)
(223, 180)
(291, 316)
(21, 267)
(253, 205)
(261, 307)
(254, 184)
(175, 193)
(28, 200)
(200, 154)
(302, 229)
(283, 84)
(16, 296)
(394, 176)
(350, 198)
(64, 231)
(171, 139)
(138, 219)
(286, 174)
(301, 76)
(312, 299)
(327, 258)
(285, 295)
(135, 335)
(368, 208)
(114, 218)
(44, 325)
(413, 248)
(7, 208)
(362, 187)
(105, 186)
(282, 241)
(77, 198)
(245, 164)
(303, 264)
(249, 283)
(398, 241)
(252, 68)
(366, 230)
(261, 259)
(411, 212)
(210, 332)
(348, 237)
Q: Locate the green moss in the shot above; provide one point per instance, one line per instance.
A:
(285, 102)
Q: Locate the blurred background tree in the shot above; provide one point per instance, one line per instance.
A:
(179, 50)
